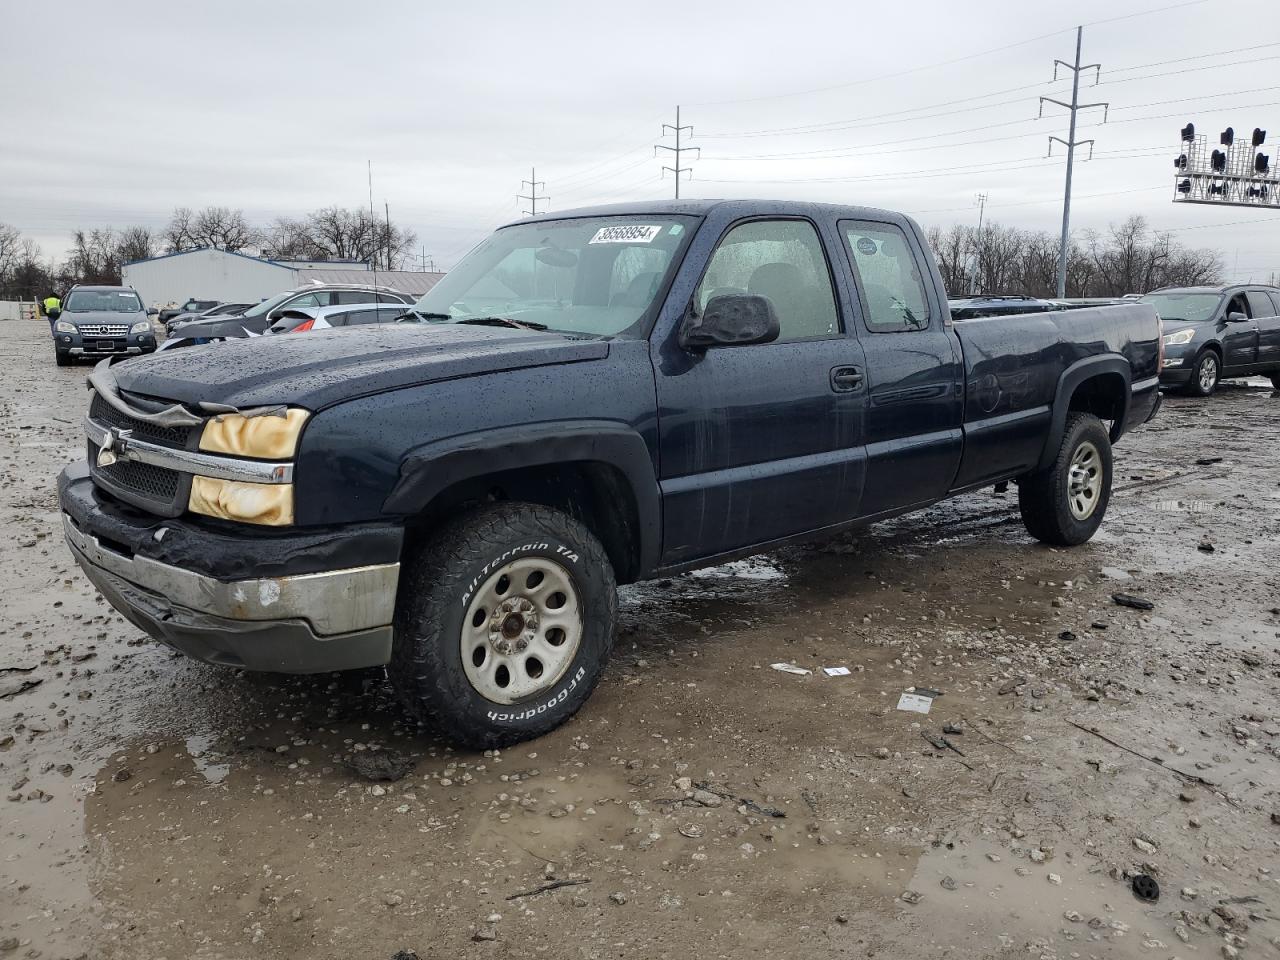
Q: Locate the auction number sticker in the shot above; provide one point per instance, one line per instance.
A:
(626, 233)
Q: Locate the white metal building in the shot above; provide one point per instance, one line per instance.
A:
(209, 274)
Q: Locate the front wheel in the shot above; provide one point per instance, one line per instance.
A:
(503, 625)
(62, 358)
(1065, 503)
(1205, 375)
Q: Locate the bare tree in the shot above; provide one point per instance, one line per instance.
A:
(223, 229)
(177, 235)
(135, 243)
(338, 233)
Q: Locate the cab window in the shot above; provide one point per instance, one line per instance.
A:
(1259, 304)
(888, 276)
(780, 260)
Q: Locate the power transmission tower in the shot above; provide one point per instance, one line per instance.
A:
(534, 185)
(1071, 143)
(982, 207)
(677, 150)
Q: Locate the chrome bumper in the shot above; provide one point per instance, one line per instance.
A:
(306, 623)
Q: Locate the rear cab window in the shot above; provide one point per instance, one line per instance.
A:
(889, 277)
(1260, 304)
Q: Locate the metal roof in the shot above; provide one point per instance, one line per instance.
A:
(409, 282)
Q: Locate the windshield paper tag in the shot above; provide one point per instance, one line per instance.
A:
(626, 233)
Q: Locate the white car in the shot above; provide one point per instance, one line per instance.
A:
(302, 319)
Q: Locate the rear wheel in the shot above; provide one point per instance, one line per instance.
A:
(1064, 504)
(504, 624)
(1205, 375)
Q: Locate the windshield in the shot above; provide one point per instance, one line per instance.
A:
(1186, 307)
(110, 301)
(597, 276)
(267, 304)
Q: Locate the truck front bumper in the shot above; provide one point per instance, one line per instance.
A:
(307, 622)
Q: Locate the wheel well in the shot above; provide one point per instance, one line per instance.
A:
(1213, 348)
(1102, 395)
(596, 494)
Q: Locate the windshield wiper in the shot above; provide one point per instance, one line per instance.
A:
(427, 315)
(503, 322)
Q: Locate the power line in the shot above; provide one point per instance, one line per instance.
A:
(1075, 106)
(1163, 8)
(677, 150)
(534, 184)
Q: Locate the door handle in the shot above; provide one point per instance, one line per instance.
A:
(844, 379)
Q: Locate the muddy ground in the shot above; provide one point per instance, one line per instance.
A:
(155, 807)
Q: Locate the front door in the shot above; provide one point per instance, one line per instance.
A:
(1264, 312)
(1239, 338)
(762, 441)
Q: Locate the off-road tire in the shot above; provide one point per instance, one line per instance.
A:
(437, 585)
(1043, 497)
(62, 358)
(1195, 386)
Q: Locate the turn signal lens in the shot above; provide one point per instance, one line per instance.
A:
(264, 437)
(270, 504)
(303, 327)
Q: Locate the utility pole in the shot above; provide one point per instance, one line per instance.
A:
(982, 206)
(677, 150)
(1071, 143)
(387, 209)
(534, 185)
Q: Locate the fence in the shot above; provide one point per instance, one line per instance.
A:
(18, 310)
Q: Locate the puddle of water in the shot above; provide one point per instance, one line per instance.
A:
(198, 746)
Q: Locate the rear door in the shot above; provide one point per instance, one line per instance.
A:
(761, 442)
(1265, 317)
(914, 369)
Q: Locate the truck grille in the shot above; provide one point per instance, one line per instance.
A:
(103, 329)
(156, 485)
(154, 489)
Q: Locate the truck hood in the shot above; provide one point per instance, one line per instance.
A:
(318, 369)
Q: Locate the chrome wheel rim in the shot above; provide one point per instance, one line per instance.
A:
(1084, 481)
(522, 630)
(1208, 372)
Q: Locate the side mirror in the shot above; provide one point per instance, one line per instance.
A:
(731, 320)
(1235, 316)
(54, 313)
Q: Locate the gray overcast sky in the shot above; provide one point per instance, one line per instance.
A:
(274, 107)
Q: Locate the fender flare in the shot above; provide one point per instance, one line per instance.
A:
(1071, 378)
(427, 470)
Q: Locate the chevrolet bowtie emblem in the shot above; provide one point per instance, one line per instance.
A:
(115, 442)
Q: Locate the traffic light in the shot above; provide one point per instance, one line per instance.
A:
(1189, 132)
(1217, 189)
(1184, 186)
(1258, 136)
(1218, 160)
(1228, 137)
(1180, 161)
(1261, 163)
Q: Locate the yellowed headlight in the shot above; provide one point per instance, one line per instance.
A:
(264, 438)
(270, 504)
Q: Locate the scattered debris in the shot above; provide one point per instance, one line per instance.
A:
(11, 688)
(791, 668)
(1208, 461)
(1011, 685)
(380, 766)
(951, 730)
(743, 801)
(911, 896)
(836, 671)
(1159, 763)
(547, 887)
(1135, 603)
(1205, 546)
(915, 703)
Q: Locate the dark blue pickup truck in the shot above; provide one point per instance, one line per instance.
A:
(589, 398)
